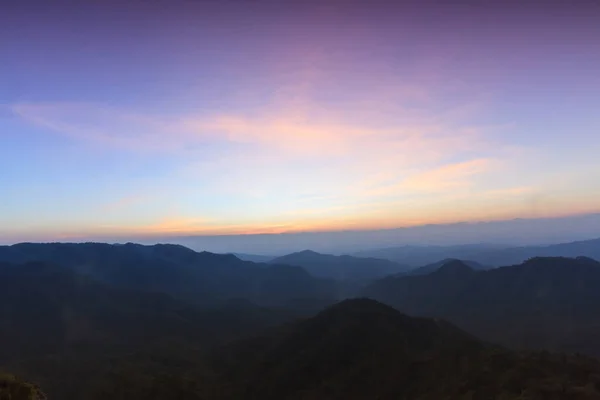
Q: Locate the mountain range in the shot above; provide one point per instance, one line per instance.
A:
(550, 303)
(93, 321)
(341, 268)
(484, 254)
(199, 277)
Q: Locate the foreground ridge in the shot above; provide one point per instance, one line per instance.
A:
(363, 349)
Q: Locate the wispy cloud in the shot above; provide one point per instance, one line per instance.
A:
(123, 203)
(365, 149)
(206, 226)
(293, 131)
(100, 125)
(445, 178)
(511, 191)
(299, 159)
(450, 176)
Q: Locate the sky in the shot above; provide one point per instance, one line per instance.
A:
(172, 118)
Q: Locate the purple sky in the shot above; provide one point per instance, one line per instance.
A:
(142, 118)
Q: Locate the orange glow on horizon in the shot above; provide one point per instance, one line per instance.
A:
(177, 228)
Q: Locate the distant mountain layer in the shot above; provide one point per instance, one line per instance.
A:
(254, 257)
(427, 269)
(202, 278)
(362, 349)
(551, 303)
(341, 268)
(514, 232)
(490, 255)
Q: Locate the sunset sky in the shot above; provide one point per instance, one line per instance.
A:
(227, 117)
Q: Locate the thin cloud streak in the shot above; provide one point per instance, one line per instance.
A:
(350, 163)
(130, 131)
(438, 180)
(123, 203)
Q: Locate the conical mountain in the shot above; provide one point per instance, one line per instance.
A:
(362, 349)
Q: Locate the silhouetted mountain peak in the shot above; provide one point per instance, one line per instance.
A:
(429, 268)
(344, 267)
(454, 268)
(371, 319)
(357, 347)
(307, 253)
